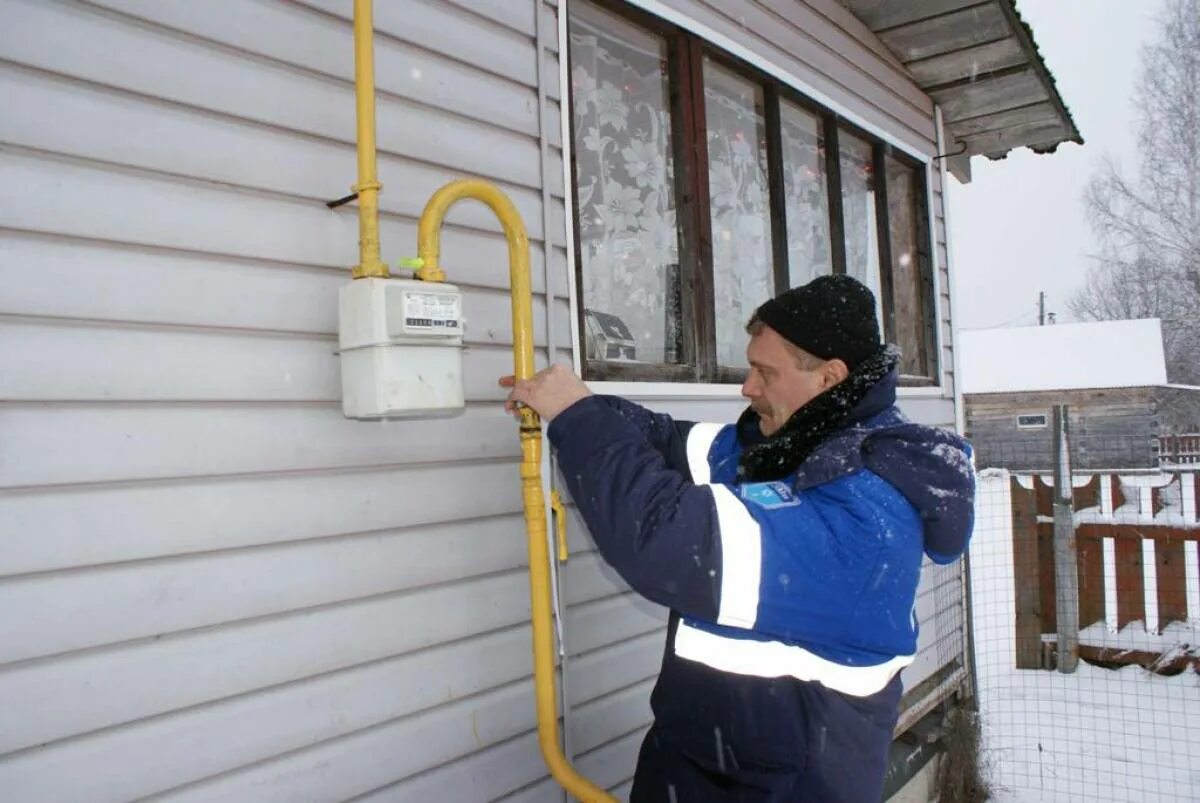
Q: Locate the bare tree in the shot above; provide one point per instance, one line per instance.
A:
(1148, 227)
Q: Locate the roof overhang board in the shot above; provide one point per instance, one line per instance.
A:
(977, 60)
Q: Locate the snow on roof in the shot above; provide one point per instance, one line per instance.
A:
(1065, 356)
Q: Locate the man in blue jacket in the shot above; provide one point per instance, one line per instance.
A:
(788, 547)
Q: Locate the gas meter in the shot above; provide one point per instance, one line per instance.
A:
(401, 344)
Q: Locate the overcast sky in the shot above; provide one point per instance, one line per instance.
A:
(1019, 226)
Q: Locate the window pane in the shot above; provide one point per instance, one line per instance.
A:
(806, 195)
(743, 272)
(908, 291)
(858, 213)
(628, 235)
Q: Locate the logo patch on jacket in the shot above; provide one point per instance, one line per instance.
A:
(769, 494)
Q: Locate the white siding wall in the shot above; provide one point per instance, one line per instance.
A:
(214, 587)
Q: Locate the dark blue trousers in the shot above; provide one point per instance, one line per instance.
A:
(840, 757)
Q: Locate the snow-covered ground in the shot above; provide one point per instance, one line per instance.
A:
(1095, 735)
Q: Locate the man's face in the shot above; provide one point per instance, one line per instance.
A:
(777, 386)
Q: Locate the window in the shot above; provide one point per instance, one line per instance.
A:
(624, 161)
(1032, 421)
(703, 187)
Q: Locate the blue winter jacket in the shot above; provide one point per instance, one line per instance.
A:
(811, 578)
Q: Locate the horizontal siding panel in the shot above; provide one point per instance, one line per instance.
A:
(89, 362)
(190, 72)
(362, 704)
(604, 671)
(579, 538)
(587, 577)
(519, 16)
(49, 700)
(844, 19)
(611, 766)
(945, 650)
(112, 604)
(147, 134)
(345, 767)
(516, 15)
(305, 38)
(486, 775)
(933, 411)
(112, 282)
(443, 28)
(86, 201)
(546, 791)
(76, 362)
(89, 201)
(923, 667)
(939, 613)
(592, 625)
(611, 717)
(832, 52)
(46, 529)
(68, 443)
(939, 585)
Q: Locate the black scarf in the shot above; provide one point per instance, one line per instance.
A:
(765, 459)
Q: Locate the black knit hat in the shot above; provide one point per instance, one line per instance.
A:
(830, 317)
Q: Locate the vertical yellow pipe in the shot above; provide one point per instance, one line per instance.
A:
(368, 185)
(428, 248)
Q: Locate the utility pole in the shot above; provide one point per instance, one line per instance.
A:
(1042, 308)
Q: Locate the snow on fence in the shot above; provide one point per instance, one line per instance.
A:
(1179, 450)
(1138, 554)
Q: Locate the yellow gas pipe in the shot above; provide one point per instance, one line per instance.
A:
(531, 457)
(428, 246)
(368, 186)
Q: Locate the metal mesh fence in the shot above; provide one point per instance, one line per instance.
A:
(1087, 631)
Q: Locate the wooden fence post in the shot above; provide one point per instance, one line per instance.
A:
(1066, 559)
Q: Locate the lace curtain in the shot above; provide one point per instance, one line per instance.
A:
(629, 237)
(739, 207)
(858, 214)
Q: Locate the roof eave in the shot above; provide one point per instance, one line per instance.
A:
(978, 61)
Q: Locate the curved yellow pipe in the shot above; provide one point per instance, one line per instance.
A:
(428, 248)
